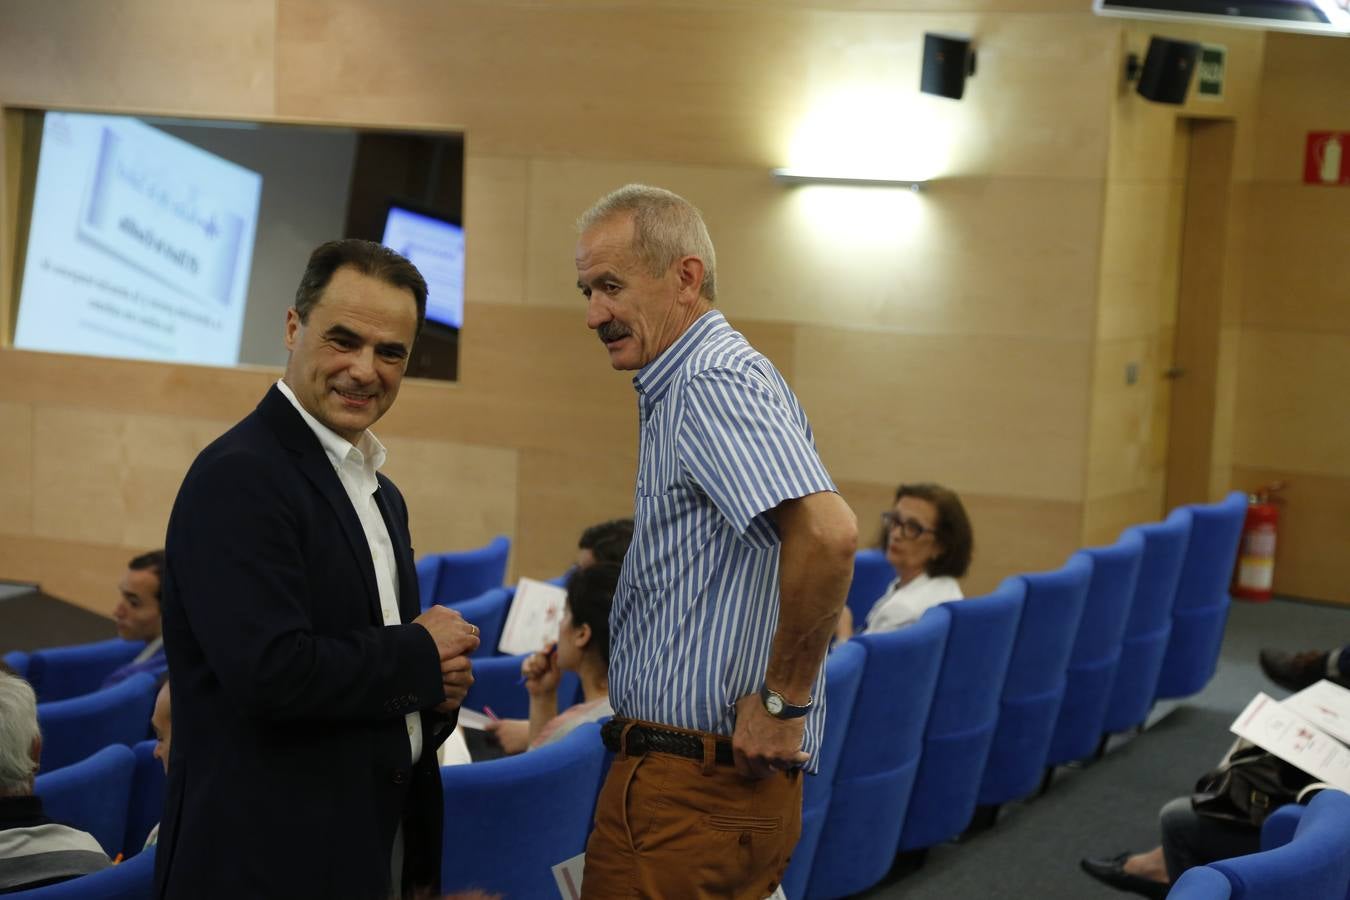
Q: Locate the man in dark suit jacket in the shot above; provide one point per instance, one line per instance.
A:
(309, 696)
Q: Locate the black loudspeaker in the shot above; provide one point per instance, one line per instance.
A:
(946, 63)
(1166, 75)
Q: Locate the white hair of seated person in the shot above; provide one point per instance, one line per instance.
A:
(19, 738)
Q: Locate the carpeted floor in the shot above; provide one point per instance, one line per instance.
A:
(1112, 805)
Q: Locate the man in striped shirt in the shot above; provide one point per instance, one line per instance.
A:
(741, 557)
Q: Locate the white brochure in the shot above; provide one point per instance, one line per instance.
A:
(567, 875)
(1326, 705)
(1283, 732)
(532, 623)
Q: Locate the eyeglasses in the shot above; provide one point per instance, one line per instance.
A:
(910, 528)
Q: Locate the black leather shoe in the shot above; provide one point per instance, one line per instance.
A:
(1112, 872)
(1294, 671)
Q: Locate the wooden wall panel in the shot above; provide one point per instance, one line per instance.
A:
(16, 469)
(1291, 390)
(1303, 88)
(197, 56)
(1296, 268)
(495, 205)
(85, 574)
(1310, 557)
(830, 256)
(995, 416)
(1141, 229)
(728, 84)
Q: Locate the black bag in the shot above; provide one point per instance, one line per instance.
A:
(1248, 786)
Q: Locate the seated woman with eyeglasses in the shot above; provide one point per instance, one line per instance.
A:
(928, 540)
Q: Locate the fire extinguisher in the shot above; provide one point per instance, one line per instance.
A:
(1256, 550)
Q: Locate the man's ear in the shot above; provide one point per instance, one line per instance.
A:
(35, 751)
(689, 269)
(292, 328)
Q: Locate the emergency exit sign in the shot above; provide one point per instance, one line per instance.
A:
(1209, 72)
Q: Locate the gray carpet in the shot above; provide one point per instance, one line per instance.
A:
(1112, 805)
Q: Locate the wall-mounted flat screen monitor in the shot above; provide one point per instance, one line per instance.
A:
(434, 244)
(1310, 16)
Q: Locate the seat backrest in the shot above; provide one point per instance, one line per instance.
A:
(147, 798)
(75, 728)
(1278, 828)
(133, 879)
(92, 795)
(872, 574)
(58, 673)
(488, 612)
(470, 573)
(1034, 686)
(962, 719)
(875, 776)
(1201, 883)
(540, 806)
(1316, 863)
(1211, 551)
(1159, 572)
(843, 673)
(497, 684)
(1106, 609)
(18, 661)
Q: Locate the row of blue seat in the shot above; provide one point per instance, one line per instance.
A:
(1305, 853)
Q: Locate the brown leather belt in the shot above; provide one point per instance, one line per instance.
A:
(642, 739)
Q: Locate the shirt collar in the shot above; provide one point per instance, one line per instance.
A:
(368, 452)
(654, 379)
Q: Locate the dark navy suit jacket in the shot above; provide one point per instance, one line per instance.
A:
(290, 769)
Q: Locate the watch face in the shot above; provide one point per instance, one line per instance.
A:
(774, 704)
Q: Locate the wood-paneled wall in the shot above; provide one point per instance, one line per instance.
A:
(1293, 344)
(951, 335)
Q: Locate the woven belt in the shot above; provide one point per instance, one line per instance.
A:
(645, 739)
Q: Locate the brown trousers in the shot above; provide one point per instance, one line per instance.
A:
(677, 828)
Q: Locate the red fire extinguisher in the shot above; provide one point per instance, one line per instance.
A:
(1256, 551)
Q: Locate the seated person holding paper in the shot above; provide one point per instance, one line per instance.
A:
(928, 541)
(582, 647)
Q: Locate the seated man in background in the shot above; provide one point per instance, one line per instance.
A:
(162, 723)
(928, 541)
(33, 849)
(605, 543)
(582, 647)
(137, 616)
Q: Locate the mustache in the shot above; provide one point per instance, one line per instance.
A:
(612, 331)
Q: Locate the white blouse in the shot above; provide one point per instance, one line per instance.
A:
(901, 606)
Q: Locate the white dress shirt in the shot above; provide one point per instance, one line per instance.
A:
(903, 605)
(356, 465)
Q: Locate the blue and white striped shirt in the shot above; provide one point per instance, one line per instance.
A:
(723, 440)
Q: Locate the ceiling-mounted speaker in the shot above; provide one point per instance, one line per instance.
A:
(1166, 74)
(947, 61)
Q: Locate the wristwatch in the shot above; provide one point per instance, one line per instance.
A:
(776, 705)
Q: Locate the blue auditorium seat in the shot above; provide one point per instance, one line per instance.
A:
(1201, 883)
(1034, 685)
(872, 574)
(92, 795)
(1279, 827)
(18, 661)
(963, 716)
(130, 880)
(1096, 650)
(1200, 611)
(497, 684)
(881, 752)
(58, 673)
(1315, 863)
(537, 809)
(460, 576)
(488, 612)
(843, 674)
(147, 798)
(1150, 623)
(75, 728)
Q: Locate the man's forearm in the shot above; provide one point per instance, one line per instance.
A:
(819, 537)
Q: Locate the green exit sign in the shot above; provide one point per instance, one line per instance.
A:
(1209, 73)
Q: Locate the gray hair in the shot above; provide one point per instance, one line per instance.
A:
(18, 730)
(665, 227)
